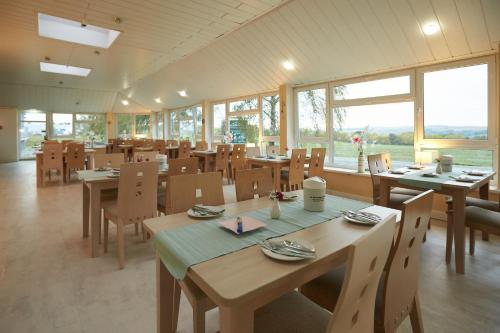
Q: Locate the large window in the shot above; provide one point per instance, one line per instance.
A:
(32, 129)
(245, 129)
(186, 124)
(130, 126)
(124, 125)
(62, 125)
(219, 121)
(159, 125)
(142, 126)
(243, 105)
(312, 114)
(90, 127)
(270, 105)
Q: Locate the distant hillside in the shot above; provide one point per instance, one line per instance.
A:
(429, 130)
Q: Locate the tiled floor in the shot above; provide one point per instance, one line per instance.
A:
(49, 284)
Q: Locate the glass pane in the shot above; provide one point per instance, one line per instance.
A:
(174, 125)
(142, 125)
(186, 130)
(456, 103)
(311, 145)
(197, 112)
(33, 115)
(160, 127)
(245, 129)
(31, 134)
(378, 133)
(312, 113)
(243, 105)
(62, 124)
(219, 119)
(383, 87)
(271, 115)
(465, 159)
(89, 130)
(124, 125)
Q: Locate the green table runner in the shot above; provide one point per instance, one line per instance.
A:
(428, 183)
(183, 247)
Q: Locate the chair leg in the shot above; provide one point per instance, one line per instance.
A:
(106, 229)
(198, 319)
(449, 236)
(472, 241)
(121, 245)
(416, 316)
(136, 226)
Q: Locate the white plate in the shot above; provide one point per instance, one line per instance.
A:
(282, 257)
(289, 197)
(197, 215)
(357, 222)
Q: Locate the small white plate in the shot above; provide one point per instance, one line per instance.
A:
(288, 197)
(197, 215)
(282, 257)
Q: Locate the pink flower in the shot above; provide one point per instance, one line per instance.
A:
(357, 139)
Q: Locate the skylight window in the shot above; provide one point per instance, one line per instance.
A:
(75, 32)
(63, 69)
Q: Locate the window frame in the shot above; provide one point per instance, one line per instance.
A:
(19, 126)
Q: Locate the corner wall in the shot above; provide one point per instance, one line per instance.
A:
(8, 135)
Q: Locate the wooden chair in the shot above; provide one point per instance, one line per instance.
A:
(184, 149)
(145, 156)
(66, 142)
(253, 151)
(222, 160)
(316, 163)
(293, 179)
(52, 160)
(114, 160)
(272, 150)
(75, 158)
(253, 182)
(238, 159)
(354, 311)
(176, 167)
(398, 290)
(136, 201)
(159, 146)
(201, 145)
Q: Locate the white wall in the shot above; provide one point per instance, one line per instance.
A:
(8, 135)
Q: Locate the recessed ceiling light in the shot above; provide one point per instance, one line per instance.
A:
(158, 100)
(288, 65)
(124, 102)
(75, 32)
(63, 69)
(431, 28)
(183, 93)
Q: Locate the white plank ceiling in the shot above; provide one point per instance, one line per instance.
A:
(169, 45)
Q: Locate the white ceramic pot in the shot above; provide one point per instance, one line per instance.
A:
(314, 194)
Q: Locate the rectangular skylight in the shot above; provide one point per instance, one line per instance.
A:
(75, 32)
(63, 69)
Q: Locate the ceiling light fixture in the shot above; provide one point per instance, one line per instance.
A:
(158, 100)
(63, 69)
(75, 32)
(183, 93)
(125, 102)
(288, 65)
(431, 28)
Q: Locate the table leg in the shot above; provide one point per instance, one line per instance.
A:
(167, 299)
(95, 219)
(236, 320)
(459, 229)
(484, 192)
(91, 161)
(86, 202)
(385, 192)
(277, 177)
(39, 171)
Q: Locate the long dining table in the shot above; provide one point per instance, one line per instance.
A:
(93, 183)
(240, 282)
(443, 184)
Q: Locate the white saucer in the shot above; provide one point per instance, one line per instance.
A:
(197, 215)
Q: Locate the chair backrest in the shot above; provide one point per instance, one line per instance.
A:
(239, 147)
(222, 157)
(137, 191)
(114, 160)
(184, 149)
(377, 163)
(201, 145)
(66, 142)
(317, 162)
(159, 146)
(355, 308)
(401, 278)
(186, 187)
(253, 151)
(251, 182)
(172, 143)
(238, 159)
(75, 156)
(145, 156)
(181, 166)
(296, 170)
(272, 150)
(53, 156)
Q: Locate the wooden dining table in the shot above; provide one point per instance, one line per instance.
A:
(456, 190)
(93, 183)
(242, 281)
(276, 163)
(89, 154)
(207, 157)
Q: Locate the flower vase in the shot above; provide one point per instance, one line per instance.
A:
(275, 209)
(361, 162)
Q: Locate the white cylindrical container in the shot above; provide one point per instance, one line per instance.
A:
(446, 163)
(314, 194)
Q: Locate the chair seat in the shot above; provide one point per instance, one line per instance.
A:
(482, 217)
(396, 200)
(486, 204)
(406, 191)
(292, 312)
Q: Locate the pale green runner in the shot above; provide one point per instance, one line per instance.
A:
(183, 247)
(428, 183)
